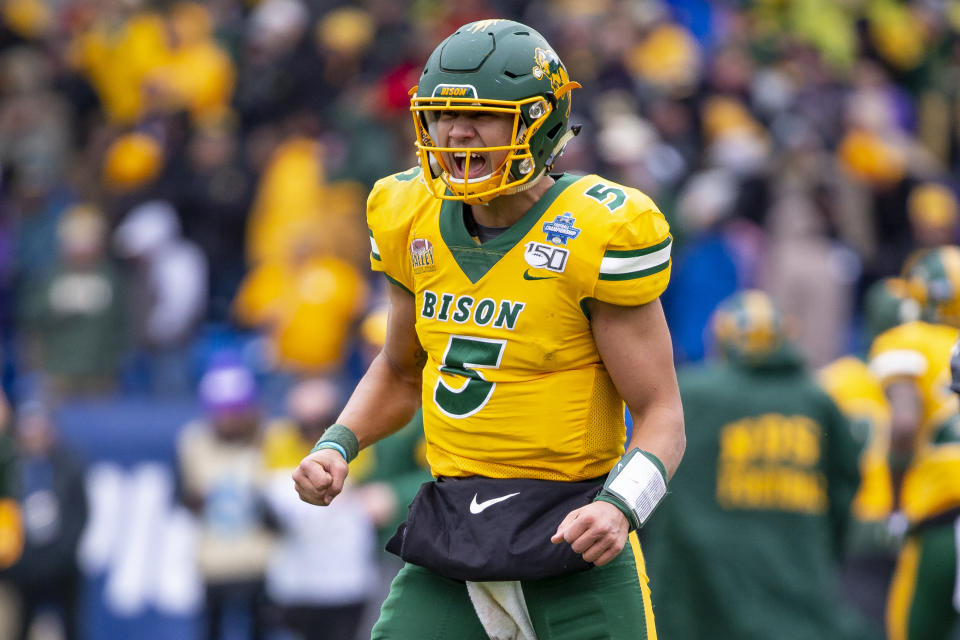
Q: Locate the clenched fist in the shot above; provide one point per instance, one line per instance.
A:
(319, 477)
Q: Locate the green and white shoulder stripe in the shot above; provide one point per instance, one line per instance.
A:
(636, 263)
(374, 249)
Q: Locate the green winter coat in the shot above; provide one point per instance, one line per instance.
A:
(746, 545)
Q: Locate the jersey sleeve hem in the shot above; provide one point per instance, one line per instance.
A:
(397, 282)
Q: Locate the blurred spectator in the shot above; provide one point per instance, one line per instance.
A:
(271, 61)
(195, 74)
(879, 155)
(132, 161)
(115, 49)
(167, 293)
(306, 306)
(34, 119)
(752, 534)
(810, 276)
(53, 499)
(140, 62)
(341, 540)
(289, 199)
(708, 265)
(212, 192)
(632, 149)
(932, 212)
(73, 312)
(667, 58)
(221, 470)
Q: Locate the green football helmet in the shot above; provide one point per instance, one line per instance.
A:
(933, 280)
(494, 66)
(748, 326)
(886, 304)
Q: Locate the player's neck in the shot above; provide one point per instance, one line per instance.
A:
(503, 211)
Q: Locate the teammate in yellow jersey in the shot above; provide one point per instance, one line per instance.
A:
(912, 362)
(524, 312)
(872, 546)
(924, 598)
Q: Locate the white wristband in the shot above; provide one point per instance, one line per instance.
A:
(639, 483)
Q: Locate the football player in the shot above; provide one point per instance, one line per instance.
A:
(912, 360)
(914, 363)
(872, 546)
(524, 312)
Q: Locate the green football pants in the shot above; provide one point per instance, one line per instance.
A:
(921, 601)
(611, 602)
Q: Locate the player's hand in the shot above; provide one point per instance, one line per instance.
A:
(598, 532)
(319, 477)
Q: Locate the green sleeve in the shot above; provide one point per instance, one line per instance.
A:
(843, 474)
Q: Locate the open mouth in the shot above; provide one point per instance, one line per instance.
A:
(477, 165)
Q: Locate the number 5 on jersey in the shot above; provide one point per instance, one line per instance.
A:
(463, 356)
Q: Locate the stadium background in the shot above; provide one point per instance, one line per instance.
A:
(805, 147)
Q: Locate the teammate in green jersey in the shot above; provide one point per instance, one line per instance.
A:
(747, 545)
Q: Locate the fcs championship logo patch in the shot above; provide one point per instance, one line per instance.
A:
(561, 229)
(421, 255)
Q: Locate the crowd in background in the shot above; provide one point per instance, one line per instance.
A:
(171, 170)
(181, 180)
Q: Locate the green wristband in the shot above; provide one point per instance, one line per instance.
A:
(341, 436)
(636, 485)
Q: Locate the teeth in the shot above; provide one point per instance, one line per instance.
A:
(461, 155)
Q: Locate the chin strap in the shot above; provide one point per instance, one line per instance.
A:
(529, 184)
(561, 143)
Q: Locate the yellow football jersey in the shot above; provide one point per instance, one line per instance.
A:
(860, 396)
(932, 484)
(921, 352)
(513, 385)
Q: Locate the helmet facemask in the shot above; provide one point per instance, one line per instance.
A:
(518, 169)
(499, 67)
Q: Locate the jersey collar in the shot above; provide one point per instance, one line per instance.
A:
(476, 260)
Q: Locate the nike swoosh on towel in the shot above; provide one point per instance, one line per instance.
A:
(477, 507)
